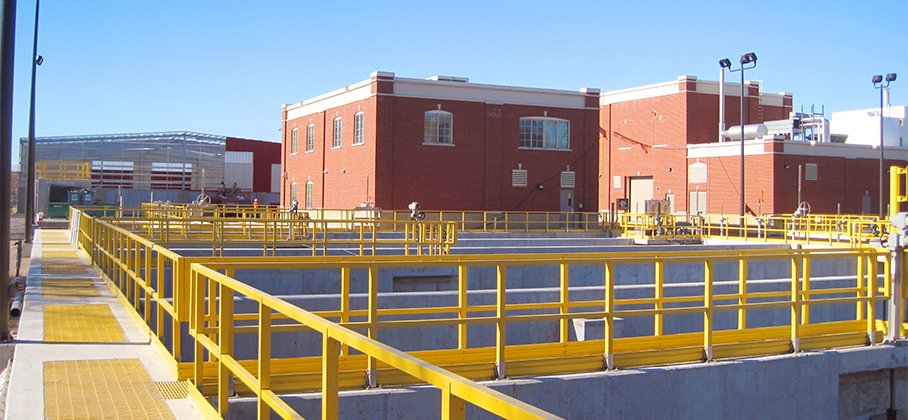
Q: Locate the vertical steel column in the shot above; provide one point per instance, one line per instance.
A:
(30, 178)
(7, 55)
(896, 299)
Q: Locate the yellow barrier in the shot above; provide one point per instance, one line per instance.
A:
(200, 295)
(810, 229)
(63, 170)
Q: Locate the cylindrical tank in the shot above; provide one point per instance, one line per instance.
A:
(751, 131)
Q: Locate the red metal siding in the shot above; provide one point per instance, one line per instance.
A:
(264, 154)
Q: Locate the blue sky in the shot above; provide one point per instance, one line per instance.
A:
(225, 67)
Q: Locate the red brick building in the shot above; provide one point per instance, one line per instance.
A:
(646, 131)
(444, 142)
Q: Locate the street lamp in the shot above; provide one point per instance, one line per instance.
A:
(748, 61)
(30, 179)
(878, 84)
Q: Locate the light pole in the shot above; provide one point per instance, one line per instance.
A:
(30, 178)
(748, 61)
(878, 84)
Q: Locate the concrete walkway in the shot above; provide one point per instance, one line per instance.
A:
(79, 353)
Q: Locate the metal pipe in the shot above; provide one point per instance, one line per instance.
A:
(30, 177)
(721, 104)
(882, 172)
(16, 308)
(7, 63)
(743, 103)
(895, 300)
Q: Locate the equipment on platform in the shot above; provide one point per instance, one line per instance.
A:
(415, 214)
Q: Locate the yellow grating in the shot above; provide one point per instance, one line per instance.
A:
(81, 324)
(65, 288)
(58, 254)
(63, 268)
(110, 389)
(173, 390)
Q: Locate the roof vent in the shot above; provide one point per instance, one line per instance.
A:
(439, 78)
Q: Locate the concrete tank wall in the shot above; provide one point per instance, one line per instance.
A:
(850, 383)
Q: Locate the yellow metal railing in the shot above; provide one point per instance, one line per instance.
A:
(214, 330)
(63, 170)
(810, 229)
(161, 284)
(465, 220)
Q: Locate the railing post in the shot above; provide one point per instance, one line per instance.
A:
(609, 333)
(195, 325)
(795, 303)
(371, 363)
(708, 310)
(330, 349)
(742, 293)
(462, 306)
(872, 280)
(345, 300)
(564, 299)
(658, 294)
(264, 362)
(805, 287)
(500, 324)
(452, 406)
(225, 346)
(859, 305)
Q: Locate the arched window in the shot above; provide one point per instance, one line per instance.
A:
(545, 133)
(294, 141)
(293, 191)
(309, 188)
(439, 128)
(310, 138)
(337, 133)
(359, 126)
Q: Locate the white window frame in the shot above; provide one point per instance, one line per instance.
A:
(359, 126)
(310, 137)
(294, 141)
(337, 140)
(433, 135)
(293, 191)
(547, 127)
(310, 187)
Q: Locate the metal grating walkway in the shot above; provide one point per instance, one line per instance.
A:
(81, 324)
(86, 358)
(110, 389)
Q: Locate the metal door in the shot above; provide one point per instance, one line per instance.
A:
(567, 200)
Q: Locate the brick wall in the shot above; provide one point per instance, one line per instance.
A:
(672, 122)
(473, 174)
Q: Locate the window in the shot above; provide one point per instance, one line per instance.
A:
(810, 171)
(309, 187)
(310, 138)
(545, 133)
(439, 128)
(337, 133)
(358, 126)
(292, 191)
(294, 141)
